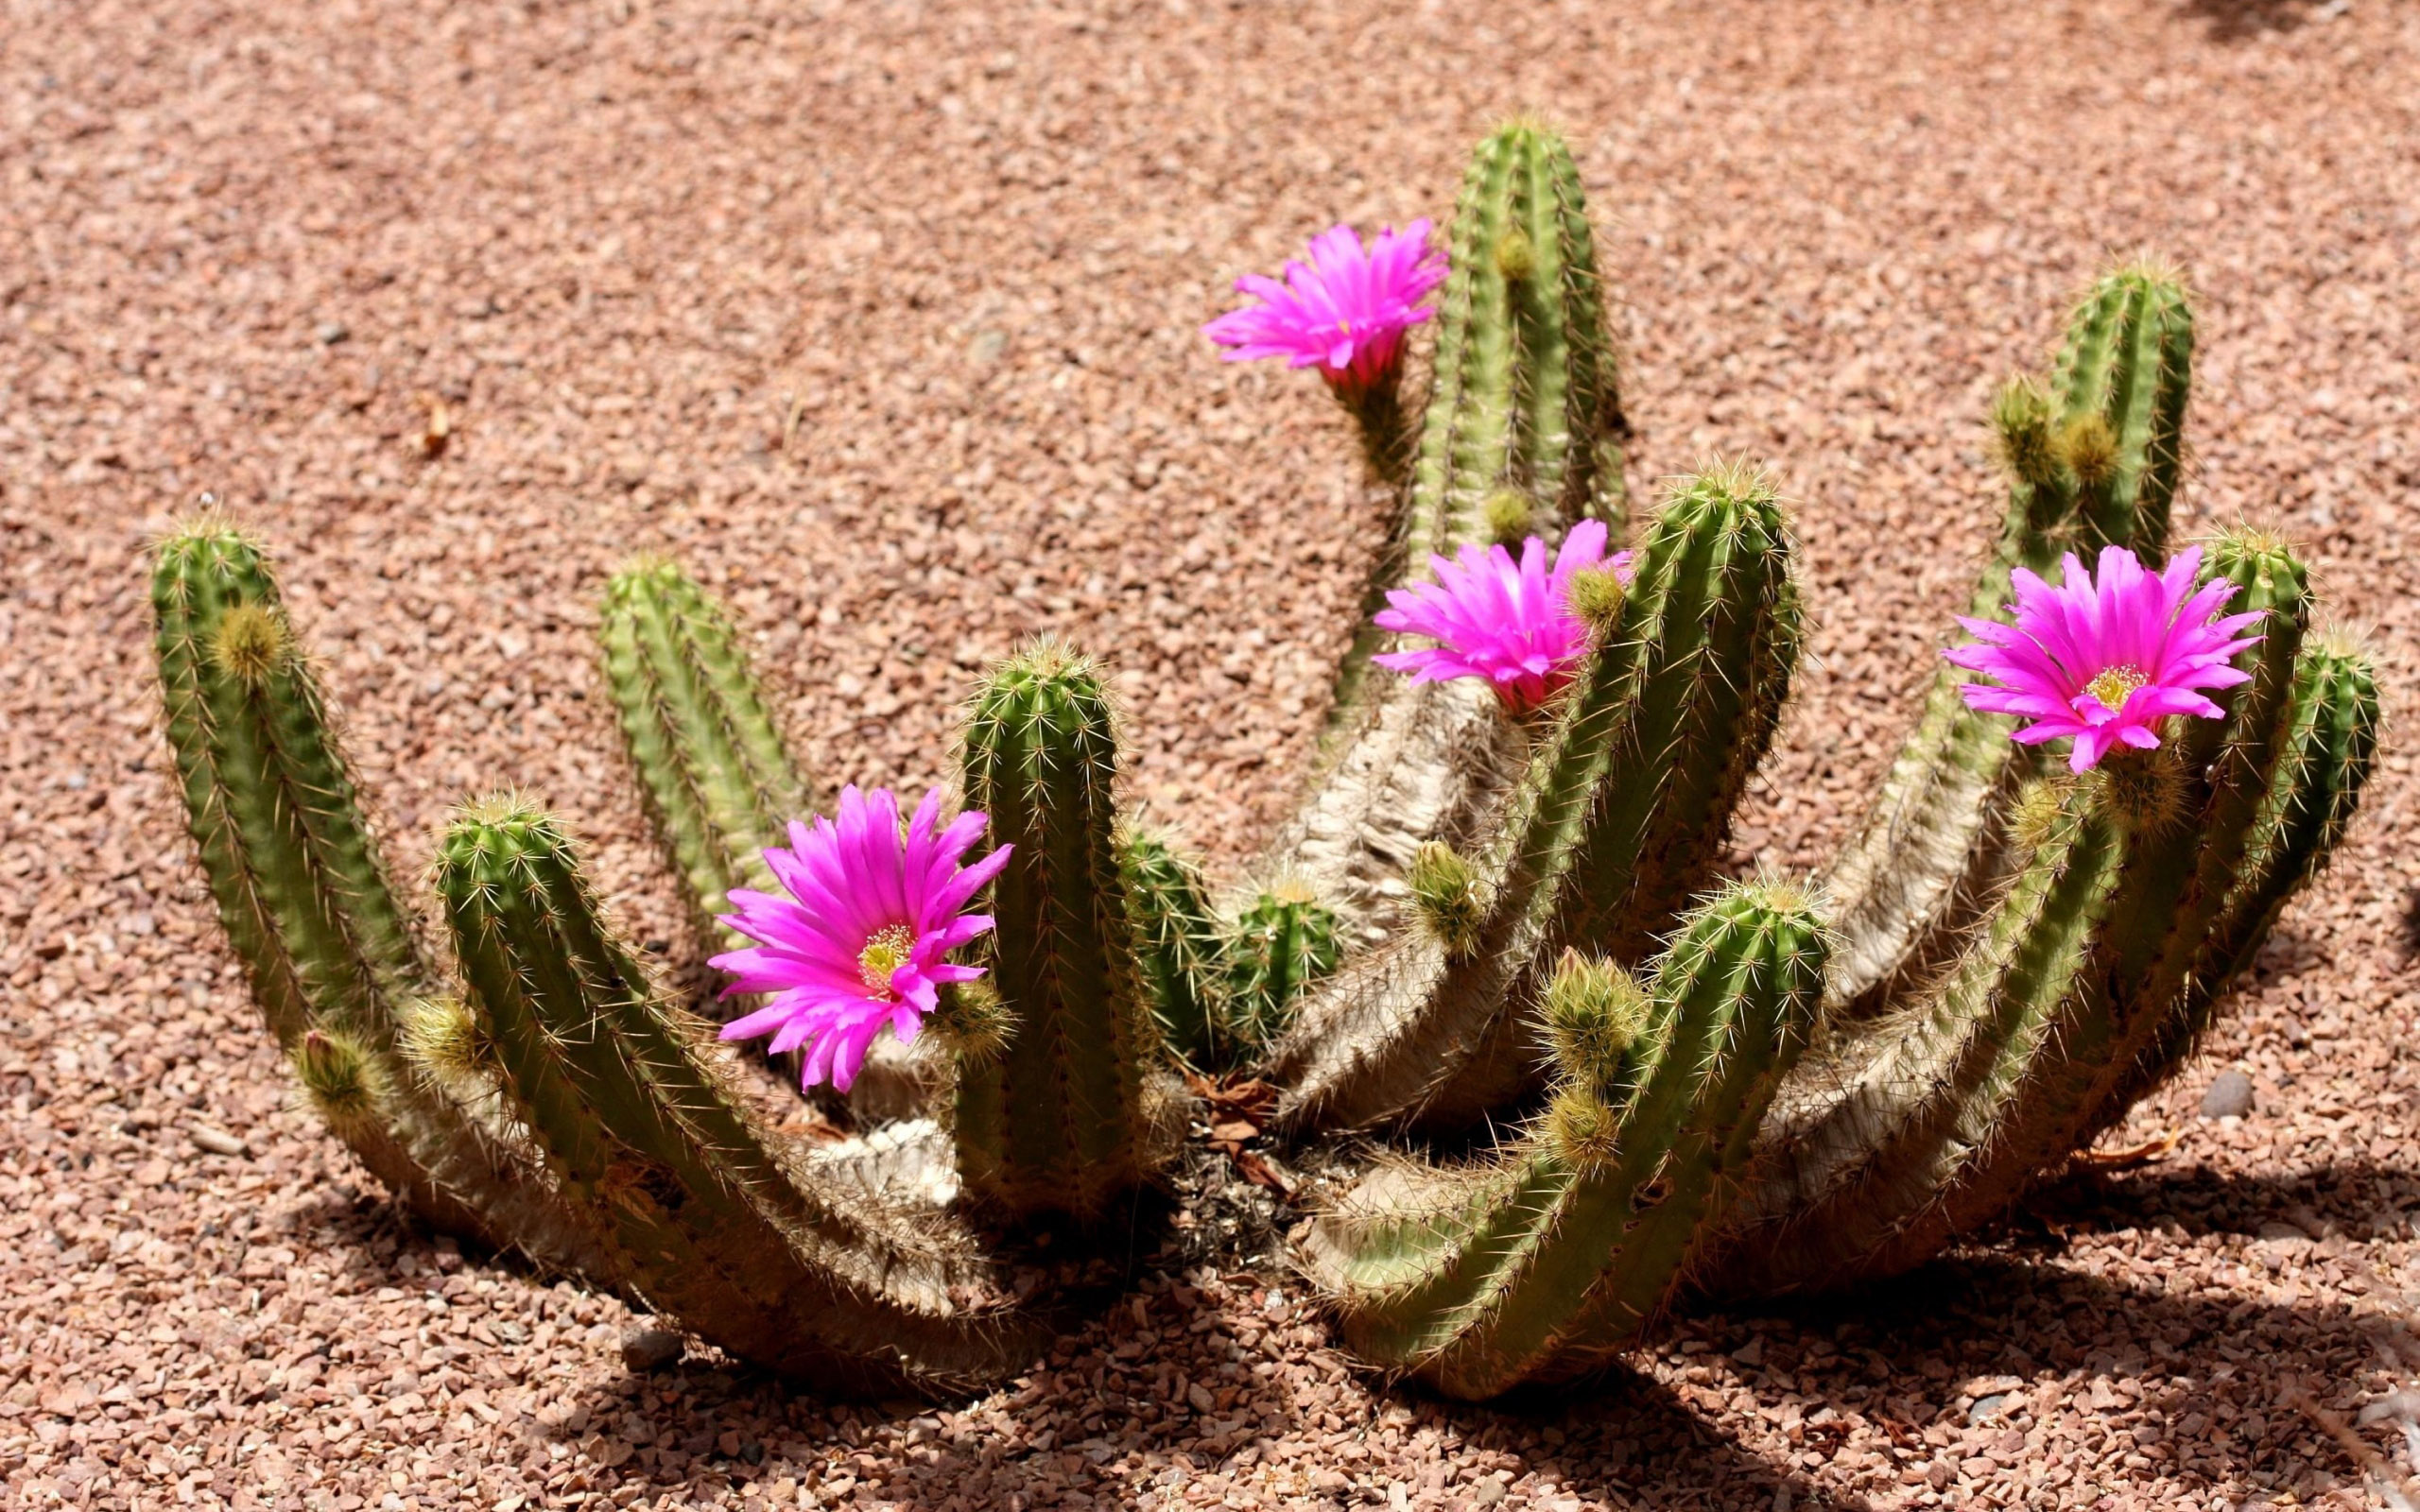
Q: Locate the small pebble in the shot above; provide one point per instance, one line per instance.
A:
(216, 1140)
(646, 1348)
(2230, 1096)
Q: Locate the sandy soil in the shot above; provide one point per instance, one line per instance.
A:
(882, 314)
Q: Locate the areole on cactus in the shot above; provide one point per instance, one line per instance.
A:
(1498, 921)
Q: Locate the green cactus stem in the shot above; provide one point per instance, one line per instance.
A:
(1618, 821)
(1563, 1253)
(1177, 942)
(1522, 424)
(1074, 1112)
(646, 1134)
(2094, 460)
(1280, 946)
(2082, 987)
(303, 896)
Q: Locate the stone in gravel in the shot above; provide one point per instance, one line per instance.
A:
(217, 1141)
(646, 1348)
(1987, 1408)
(2230, 1096)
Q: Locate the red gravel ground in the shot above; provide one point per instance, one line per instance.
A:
(882, 315)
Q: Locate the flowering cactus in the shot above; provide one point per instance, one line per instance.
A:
(1502, 917)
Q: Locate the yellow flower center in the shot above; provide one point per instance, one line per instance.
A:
(886, 952)
(2113, 686)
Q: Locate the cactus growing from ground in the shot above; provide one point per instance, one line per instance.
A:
(1817, 1083)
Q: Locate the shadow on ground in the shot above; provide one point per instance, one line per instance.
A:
(2242, 20)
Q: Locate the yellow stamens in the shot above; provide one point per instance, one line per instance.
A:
(884, 952)
(2113, 686)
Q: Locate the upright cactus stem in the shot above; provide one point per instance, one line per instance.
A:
(1279, 948)
(719, 784)
(1073, 1113)
(1177, 942)
(2092, 459)
(1522, 432)
(1617, 822)
(303, 893)
(700, 1209)
(1548, 1262)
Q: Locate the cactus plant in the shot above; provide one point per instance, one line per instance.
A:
(1815, 1084)
(1072, 1114)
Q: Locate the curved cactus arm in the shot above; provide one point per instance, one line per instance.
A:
(1619, 819)
(705, 1215)
(1891, 1143)
(1522, 430)
(718, 781)
(1073, 1112)
(2094, 460)
(1560, 1256)
(302, 894)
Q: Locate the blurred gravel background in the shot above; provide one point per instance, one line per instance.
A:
(882, 316)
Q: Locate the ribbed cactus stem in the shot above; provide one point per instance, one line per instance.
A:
(1565, 1250)
(1521, 431)
(1617, 822)
(2091, 459)
(1073, 1113)
(625, 1093)
(719, 783)
(303, 893)
(1178, 944)
(1280, 946)
(1894, 1142)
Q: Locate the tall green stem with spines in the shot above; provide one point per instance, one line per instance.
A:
(303, 893)
(648, 1137)
(2091, 461)
(1073, 1113)
(1522, 405)
(1547, 1264)
(1178, 944)
(1617, 820)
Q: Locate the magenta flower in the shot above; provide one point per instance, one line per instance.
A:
(860, 940)
(2103, 657)
(1345, 312)
(1509, 623)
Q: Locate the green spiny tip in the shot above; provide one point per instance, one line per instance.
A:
(2090, 447)
(1445, 889)
(443, 1043)
(974, 1022)
(1595, 595)
(1510, 515)
(2141, 791)
(1595, 1011)
(2021, 426)
(1583, 1133)
(1516, 257)
(251, 644)
(340, 1081)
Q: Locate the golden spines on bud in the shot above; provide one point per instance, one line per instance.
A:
(251, 644)
(1446, 890)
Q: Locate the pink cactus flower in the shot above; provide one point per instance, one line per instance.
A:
(859, 941)
(2106, 656)
(1345, 312)
(1509, 622)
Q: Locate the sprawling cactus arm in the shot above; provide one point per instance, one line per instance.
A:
(718, 781)
(1523, 404)
(703, 1213)
(1073, 1112)
(1280, 947)
(303, 896)
(1887, 1147)
(1562, 1255)
(1920, 867)
(1177, 941)
(1617, 820)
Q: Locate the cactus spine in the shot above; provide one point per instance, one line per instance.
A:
(1523, 423)
(1178, 943)
(1072, 1114)
(2093, 460)
(1280, 946)
(301, 891)
(1547, 1264)
(645, 1135)
(1617, 820)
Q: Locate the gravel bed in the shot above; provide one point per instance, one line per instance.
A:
(881, 315)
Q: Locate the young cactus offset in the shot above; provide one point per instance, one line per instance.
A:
(303, 893)
(704, 1215)
(1617, 820)
(2092, 461)
(1176, 943)
(1074, 1111)
(1522, 430)
(1548, 1262)
(1280, 946)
